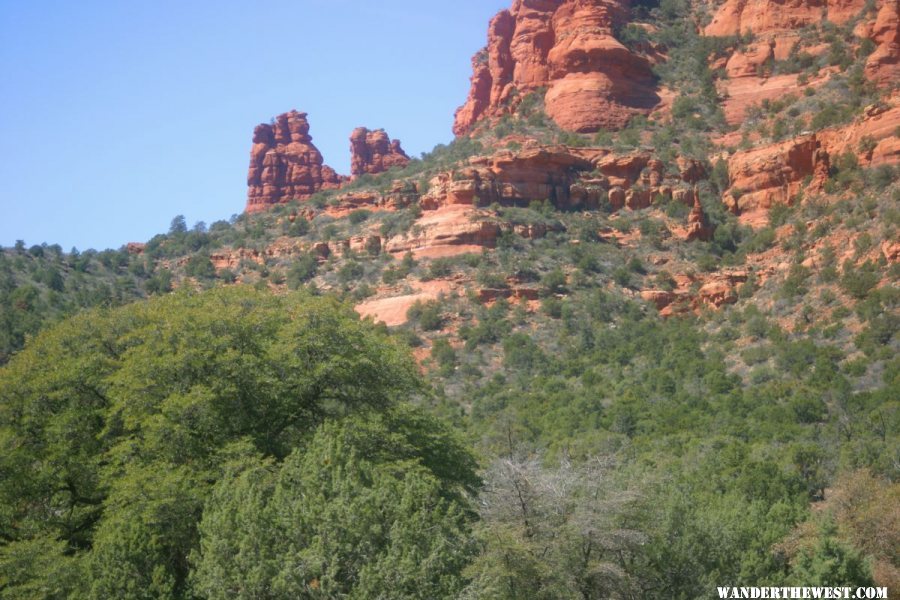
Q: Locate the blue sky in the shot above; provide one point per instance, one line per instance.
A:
(116, 116)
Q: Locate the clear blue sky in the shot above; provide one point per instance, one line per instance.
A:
(117, 115)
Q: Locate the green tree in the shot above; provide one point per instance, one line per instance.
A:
(178, 225)
(831, 563)
(303, 269)
(115, 426)
(358, 512)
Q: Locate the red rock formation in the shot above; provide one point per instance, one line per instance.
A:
(374, 152)
(748, 62)
(891, 251)
(698, 225)
(569, 178)
(691, 170)
(449, 230)
(715, 290)
(567, 46)
(743, 92)
(878, 125)
(769, 175)
(720, 291)
(775, 25)
(616, 198)
(392, 310)
(285, 165)
(366, 244)
(540, 173)
(660, 298)
(766, 17)
(883, 65)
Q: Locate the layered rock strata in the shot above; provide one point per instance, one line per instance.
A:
(373, 152)
(285, 165)
(567, 48)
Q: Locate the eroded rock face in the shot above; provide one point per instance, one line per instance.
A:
(285, 165)
(776, 27)
(569, 178)
(883, 65)
(878, 125)
(764, 17)
(769, 175)
(694, 293)
(698, 225)
(543, 173)
(374, 152)
(568, 47)
(447, 231)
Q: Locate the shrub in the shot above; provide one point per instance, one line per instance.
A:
(554, 282)
(440, 267)
(358, 216)
(427, 314)
(303, 269)
(859, 281)
(552, 307)
(445, 356)
(622, 276)
(199, 266)
(351, 271)
(795, 283)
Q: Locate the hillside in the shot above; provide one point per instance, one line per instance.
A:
(652, 284)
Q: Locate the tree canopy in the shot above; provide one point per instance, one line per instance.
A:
(129, 436)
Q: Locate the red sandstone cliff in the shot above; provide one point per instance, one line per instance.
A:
(765, 18)
(768, 175)
(568, 47)
(374, 152)
(285, 165)
(777, 28)
(883, 65)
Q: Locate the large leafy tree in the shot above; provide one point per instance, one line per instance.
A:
(117, 425)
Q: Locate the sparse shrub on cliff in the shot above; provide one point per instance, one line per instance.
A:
(633, 36)
(795, 284)
(828, 115)
(358, 216)
(199, 266)
(554, 282)
(302, 270)
(439, 268)
(159, 283)
(882, 176)
(351, 271)
(859, 281)
(491, 327)
(445, 356)
(428, 314)
(629, 138)
(760, 241)
(490, 279)
(720, 176)
(839, 55)
(779, 214)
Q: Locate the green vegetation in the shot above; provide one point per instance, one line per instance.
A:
(144, 446)
(171, 428)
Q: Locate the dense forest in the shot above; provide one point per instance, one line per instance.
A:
(235, 443)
